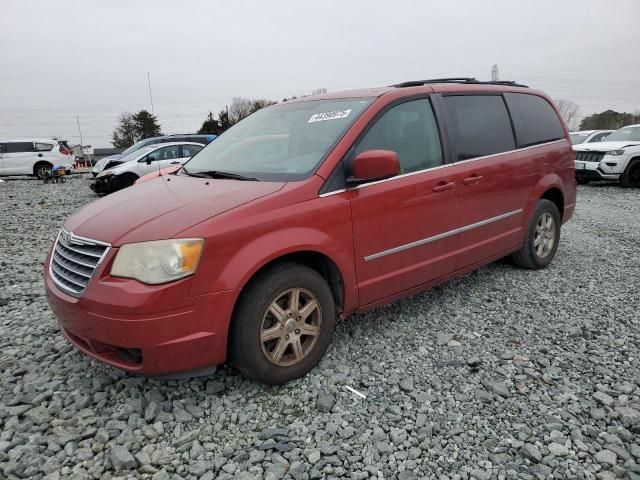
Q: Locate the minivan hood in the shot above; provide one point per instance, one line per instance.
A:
(162, 208)
(602, 146)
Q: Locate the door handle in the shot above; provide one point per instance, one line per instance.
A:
(472, 180)
(443, 187)
(175, 163)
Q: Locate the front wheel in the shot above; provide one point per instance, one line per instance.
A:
(125, 180)
(631, 176)
(283, 324)
(541, 241)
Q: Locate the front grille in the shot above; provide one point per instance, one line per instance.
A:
(74, 261)
(589, 156)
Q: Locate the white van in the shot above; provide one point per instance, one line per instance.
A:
(30, 157)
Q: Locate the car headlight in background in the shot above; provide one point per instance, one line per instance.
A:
(160, 261)
(105, 173)
(615, 152)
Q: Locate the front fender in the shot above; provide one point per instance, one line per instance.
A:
(253, 256)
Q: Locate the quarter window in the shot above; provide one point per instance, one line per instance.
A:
(43, 147)
(534, 119)
(480, 125)
(410, 130)
(18, 147)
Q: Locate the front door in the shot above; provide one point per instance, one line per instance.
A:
(158, 159)
(404, 227)
(18, 158)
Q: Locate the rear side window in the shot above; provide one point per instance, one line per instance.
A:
(18, 147)
(479, 124)
(534, 119)
(43, 147)
(410, 130)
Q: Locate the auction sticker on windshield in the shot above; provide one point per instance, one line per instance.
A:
(336, 114)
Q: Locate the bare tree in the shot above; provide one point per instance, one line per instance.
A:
(570, 112)
(243, 107)
(319, 91)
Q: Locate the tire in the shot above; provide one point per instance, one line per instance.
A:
(582, 181)
(542, 238)
(263, 310)
(631, 176)
(39, 167)
(125, 180)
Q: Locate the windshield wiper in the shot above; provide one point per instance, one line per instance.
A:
(220, 174)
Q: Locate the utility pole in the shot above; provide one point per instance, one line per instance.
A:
(79, 131)
(150, 97)
(494, 73)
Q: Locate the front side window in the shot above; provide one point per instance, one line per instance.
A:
(410, 130)
(284, 142)
(534, 119)
(480, 125)
(18, 147)
(166, 153)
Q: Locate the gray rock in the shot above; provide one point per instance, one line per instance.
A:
(121, 458)
(558, 450)
(531, 451)
(603, 398)
(325, 401)
(606, 457)
(496, 387)
(406, 384)
(443, 338)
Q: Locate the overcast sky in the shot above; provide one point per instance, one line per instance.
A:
(92, 57)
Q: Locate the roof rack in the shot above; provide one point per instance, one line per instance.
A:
(467, 80)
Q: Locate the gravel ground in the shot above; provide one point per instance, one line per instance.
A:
(503, 373)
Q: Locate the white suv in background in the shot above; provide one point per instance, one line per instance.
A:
(617, 158)
(31, 157)
(589, 136)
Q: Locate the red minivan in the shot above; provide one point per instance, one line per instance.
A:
(306, 212)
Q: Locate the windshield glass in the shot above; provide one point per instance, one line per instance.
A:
(137, 153)
(631, 134)
(138, 145)
(280, 143)
(577, 138)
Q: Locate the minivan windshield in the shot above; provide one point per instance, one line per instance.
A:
(631, 134)
(283, 142)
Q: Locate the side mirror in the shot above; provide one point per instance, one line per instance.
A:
(149, 159)
(374, 165)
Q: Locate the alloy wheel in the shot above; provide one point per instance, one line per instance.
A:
(290, 327)
(545, 235)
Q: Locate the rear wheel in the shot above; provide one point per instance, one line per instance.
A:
(541, 241)
(40, 169)
(125, 180)
(631, 176)
(283, 324)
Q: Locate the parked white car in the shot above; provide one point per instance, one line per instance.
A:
(32, 157)
(143, 161)
(589, 136)
(617, 158)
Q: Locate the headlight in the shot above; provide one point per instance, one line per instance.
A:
(160, 261)
(615, 152)
(105, 173)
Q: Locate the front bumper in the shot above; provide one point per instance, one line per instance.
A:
(595, 171)
(104, 185)
(150, 330)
